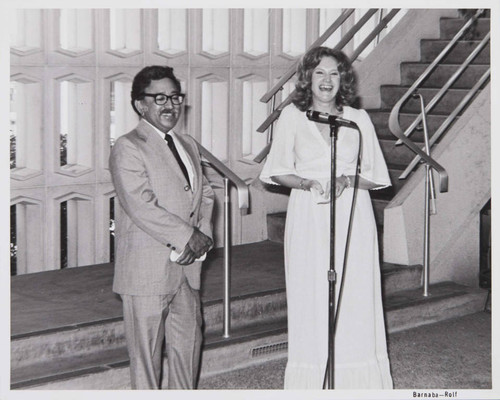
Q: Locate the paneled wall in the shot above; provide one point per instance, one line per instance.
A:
(71, 74)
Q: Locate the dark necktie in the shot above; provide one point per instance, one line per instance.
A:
(171, 145)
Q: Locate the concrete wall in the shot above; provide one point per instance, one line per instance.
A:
(454, 232)
(382, 66)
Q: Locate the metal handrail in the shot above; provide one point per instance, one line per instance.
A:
(398, 132)
(340, 45)
(375, 33)
(243, 204)
(429, 69)
(220, 167)
(448, 121)
(394, 125)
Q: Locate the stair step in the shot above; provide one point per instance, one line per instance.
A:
(109, 369)
(397, 278)
(390, 94)
(100, 336)
(276, 227)
(397, 155)
(409, 308)
(431, 48)
(410, 72)
(450, 26)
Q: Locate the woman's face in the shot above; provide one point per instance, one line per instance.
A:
(325, 82)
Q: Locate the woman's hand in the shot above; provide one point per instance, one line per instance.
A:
(341, 183)
(308, 184)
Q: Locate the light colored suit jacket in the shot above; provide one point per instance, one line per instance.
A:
(156, 212)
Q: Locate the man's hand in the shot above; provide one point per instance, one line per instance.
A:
(198, 244)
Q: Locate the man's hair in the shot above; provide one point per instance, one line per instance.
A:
(144, 77)
(303, 93)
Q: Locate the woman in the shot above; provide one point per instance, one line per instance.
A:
(300, 159)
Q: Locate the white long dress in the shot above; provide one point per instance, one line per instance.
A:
(361, 359)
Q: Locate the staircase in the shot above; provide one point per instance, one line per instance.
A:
(67, 327)
(398, 157)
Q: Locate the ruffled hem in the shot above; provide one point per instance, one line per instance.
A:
(300, 376)
(367, 375)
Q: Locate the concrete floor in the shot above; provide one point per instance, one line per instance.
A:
(451, 354)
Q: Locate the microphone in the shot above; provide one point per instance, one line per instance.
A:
(326, 118)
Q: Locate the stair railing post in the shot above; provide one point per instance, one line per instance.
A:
(243, 204)
(426, 233)
(429, 202)
(227, 266)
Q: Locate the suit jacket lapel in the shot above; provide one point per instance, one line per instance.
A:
(159, 146)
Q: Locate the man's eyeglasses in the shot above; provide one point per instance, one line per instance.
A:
(161, 99)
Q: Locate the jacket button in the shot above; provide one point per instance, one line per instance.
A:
(186, 188)
(173, 248)
(191, 215)
(168, 245)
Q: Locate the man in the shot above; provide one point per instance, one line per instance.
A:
(165, 208)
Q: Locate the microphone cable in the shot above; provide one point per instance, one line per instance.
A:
(349, 229)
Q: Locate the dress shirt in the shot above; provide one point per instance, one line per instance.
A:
(180, 149)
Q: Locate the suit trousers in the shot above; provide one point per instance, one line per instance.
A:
(152, 320)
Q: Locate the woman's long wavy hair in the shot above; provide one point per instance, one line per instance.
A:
(303, 93)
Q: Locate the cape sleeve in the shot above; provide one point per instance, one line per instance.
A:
(281, 158)
(373, 166)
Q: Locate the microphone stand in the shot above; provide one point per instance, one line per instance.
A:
(332, 274)
(334, 123)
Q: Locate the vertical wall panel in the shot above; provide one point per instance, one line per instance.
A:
(172, 30)
(26, 126)
(294, 31)
(76, 123)
(125, 30)
(27, 29)
(29, 235)
(122, 116)
(327, 17)
(167, 36)
(121, 37)
(215, 28)
(115, 116)
(214, 117)
(71, 39)
(75, 30)
(254, 112)
(256, 31)
(210, 33)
